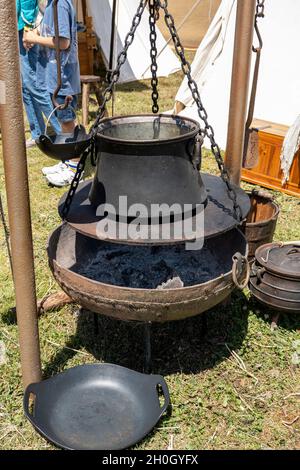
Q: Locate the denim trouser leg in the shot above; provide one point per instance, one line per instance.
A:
(36, 98)
(34, 116)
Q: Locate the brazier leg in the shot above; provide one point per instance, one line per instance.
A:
(148, 354)
(96, 324)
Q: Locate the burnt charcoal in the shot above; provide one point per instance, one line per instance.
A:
(116, 254)
(148, 268)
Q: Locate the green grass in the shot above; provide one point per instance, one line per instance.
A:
(218, 402)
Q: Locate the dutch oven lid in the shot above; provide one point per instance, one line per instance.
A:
(280, 258)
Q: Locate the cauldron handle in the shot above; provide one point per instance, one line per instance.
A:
(32, 389)
(159, 381)
(196, 152)
(51, 114)
(293, 251)
(259, 273)
(239, 261)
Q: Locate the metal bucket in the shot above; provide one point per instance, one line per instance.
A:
(261, 220)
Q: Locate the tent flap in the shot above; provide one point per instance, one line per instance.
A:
(137, 66)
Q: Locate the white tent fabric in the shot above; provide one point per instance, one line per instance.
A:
(137, 66)
(290, 147)
(278, 93)
(208, 52)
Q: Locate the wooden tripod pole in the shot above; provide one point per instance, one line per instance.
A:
(239, 87)
(16, 182)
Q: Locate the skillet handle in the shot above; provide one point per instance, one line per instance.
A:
(32, 389)
(159, 380)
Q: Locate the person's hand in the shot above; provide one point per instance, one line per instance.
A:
(29, 38)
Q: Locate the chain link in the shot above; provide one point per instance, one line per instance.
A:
(153, 10)
(107, 95)
(75, 182)
(208, 130)
(115, 75)
(260, 9)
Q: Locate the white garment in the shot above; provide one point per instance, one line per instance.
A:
(138, 62)
(208, 52)
(290, 147)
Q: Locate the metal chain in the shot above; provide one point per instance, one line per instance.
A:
(260, 9)
(76, 181)
(208, 130)
(115, 75)
(153, 53)
(107, 95)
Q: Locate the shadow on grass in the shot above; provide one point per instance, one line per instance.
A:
(182, 346)
(287, 321)
(132, 86)
(56, 365)
(9, 317)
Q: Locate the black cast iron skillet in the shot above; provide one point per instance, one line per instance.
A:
(96, 407)
(53, 147)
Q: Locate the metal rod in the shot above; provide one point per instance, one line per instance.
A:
(96, 324)
(239, 87)
(112, 51)
(148, 352)
(6, 234)
(112, 36)
(16, 181)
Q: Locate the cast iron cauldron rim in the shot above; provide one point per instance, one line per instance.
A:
(189, 135)
(91, 365)
(130, 289)
(279, 272)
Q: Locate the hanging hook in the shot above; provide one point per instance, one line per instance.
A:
(68, 99)
(260, 41)
(260, 13)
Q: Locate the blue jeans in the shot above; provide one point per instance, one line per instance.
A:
(36, 98)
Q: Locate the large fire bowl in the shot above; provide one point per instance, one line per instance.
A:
(95, 275)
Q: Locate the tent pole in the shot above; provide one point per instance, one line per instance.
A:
(239, 87)
(112, 51)
(16, 180)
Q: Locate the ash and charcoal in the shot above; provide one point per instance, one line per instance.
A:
(151, 267)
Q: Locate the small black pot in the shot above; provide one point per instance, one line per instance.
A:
(275, 276)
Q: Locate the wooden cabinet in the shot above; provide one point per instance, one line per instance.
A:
(87, 44)
(267, 172)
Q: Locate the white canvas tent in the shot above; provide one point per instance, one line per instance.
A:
(138, 64)
(278, 94)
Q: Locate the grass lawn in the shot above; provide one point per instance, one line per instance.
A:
(237, 387)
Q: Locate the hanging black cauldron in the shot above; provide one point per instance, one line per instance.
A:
(150, 160)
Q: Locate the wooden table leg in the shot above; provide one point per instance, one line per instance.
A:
(85, 104)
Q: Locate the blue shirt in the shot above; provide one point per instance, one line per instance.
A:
(46, 70)
(27, 11)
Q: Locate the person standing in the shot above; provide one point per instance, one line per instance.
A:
(63, 173)
(36, 98)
